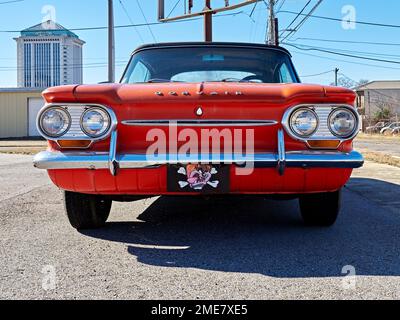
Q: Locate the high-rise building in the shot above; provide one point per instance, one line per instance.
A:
(49, 55)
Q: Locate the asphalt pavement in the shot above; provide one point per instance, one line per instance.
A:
(385, 146)
(192, 248)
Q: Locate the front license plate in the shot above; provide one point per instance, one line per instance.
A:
(202, 178)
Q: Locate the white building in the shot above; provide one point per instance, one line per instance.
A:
(49, 55)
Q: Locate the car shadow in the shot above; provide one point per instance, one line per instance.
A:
(254, 235)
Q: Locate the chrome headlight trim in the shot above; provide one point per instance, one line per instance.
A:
(287, 116)
(86, 106)
(102, 110)
(44, 132)
(291, 125)
(356, 126)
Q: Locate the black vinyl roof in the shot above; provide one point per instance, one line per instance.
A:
(211, 44)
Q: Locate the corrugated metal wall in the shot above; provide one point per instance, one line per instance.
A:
(14, 113)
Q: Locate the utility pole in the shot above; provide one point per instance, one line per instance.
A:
(208, 21)
(207, 12)
(111, 43)
(272, 24)
(336, 76)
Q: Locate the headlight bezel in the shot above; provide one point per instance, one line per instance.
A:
(102, 110)
(75, 111)
(323, 111)
(356, 123)
(290, 122)
(44, 132)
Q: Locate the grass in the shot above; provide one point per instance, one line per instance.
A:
(22, 150)
(380, 157)
(381, 137)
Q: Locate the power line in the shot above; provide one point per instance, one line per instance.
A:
(133, 25)
(349, 21)
(348, 41)
(281, 5)
(317, 74)
(173, 8)
(302, 22)
(298, 15)
(396, 100)
(12, 1)
(77, 65)
(342, 54)
(367, 53)
(346, 61)
(130, 20)
(145, 19)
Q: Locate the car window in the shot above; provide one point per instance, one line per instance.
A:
(284, 74)
(208, 63)
(140, 73)
(199, 76)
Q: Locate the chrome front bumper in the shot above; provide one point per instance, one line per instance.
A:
(114, 161)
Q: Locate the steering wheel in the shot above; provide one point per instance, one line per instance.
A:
(252, 77)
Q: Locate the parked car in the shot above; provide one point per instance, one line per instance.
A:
(389, 128)
(200, 119)
(376, 128)
(396, 131)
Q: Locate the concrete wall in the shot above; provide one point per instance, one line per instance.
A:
(14, 113)
(387, 97)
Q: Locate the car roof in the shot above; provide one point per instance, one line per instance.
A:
(211, 44)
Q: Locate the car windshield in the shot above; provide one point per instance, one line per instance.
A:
(218, 64)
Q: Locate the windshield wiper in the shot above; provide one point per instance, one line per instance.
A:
(233, 80)
(159, 80)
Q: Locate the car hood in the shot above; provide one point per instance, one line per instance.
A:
(112, 94)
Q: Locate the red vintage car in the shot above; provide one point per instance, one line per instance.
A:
(200, 119)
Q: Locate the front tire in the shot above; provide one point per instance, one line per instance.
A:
(320, 209)
(86, 211)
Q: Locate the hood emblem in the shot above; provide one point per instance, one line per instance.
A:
(199, 112)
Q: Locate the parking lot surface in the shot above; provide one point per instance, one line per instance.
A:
(193, 248)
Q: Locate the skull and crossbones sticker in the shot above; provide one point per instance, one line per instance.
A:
(197, 176)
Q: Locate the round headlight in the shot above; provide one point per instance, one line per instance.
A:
(55, 122)
(304, 122)
(342, 123)
(95, 122)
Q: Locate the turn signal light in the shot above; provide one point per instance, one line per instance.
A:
(323, 144)
(78, 144)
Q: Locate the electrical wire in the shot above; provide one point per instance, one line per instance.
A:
(345, 61)
(130, 20)
(317, 74)
(367, 53)
(173, 8)
(11, 1)
(134, 25)
(349, 21)
(302, 22)
(348, 41)
(342, 54)
(294, 20)
(145, 19)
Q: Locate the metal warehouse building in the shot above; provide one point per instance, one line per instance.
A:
(18, 110)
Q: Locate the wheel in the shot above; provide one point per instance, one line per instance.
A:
(387, 133)
(320, 209)
(86, 211)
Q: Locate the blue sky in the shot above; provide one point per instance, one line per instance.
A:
(241, 28)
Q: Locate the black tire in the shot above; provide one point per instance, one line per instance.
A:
(86, 211)
(320, 209)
